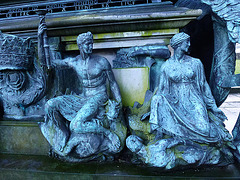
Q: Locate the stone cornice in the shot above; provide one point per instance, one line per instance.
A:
(148, 17)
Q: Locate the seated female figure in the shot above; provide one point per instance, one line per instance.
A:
(183, 105)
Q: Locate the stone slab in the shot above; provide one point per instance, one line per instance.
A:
(21, 137)
(133, 84)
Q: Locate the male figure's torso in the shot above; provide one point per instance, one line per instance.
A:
(91, 73)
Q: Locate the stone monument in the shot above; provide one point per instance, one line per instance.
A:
(178, 125)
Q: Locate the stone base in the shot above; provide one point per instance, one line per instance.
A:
(22, 137)
(43, 167)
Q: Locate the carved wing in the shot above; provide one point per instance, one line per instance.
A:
(230, 12)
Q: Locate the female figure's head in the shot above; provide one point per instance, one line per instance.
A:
(180, 40)
(85, 43)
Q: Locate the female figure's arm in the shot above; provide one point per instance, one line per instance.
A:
(152, 51)
(163, 82)
(206, 92)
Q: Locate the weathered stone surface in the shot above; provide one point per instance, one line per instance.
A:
(22, 137)
(133, 83)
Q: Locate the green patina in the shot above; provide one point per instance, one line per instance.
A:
(52, 132)
(105, 37)
(121, 132)
(237, 67)
(141, 128)
(126, 34)
(138, 120)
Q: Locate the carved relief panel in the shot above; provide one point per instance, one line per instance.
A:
(22, 83)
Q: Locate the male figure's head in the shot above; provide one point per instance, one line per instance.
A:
(85, 44)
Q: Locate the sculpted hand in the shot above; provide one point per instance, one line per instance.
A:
(132, 55)
(219, 113)
(42, 28)
(119, 106)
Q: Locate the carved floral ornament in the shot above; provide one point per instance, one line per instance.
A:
(15, 80)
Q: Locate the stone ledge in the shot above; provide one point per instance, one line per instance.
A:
(149, 17)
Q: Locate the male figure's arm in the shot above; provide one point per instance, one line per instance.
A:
(65, 63)
(112, 82)
(41, 55)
